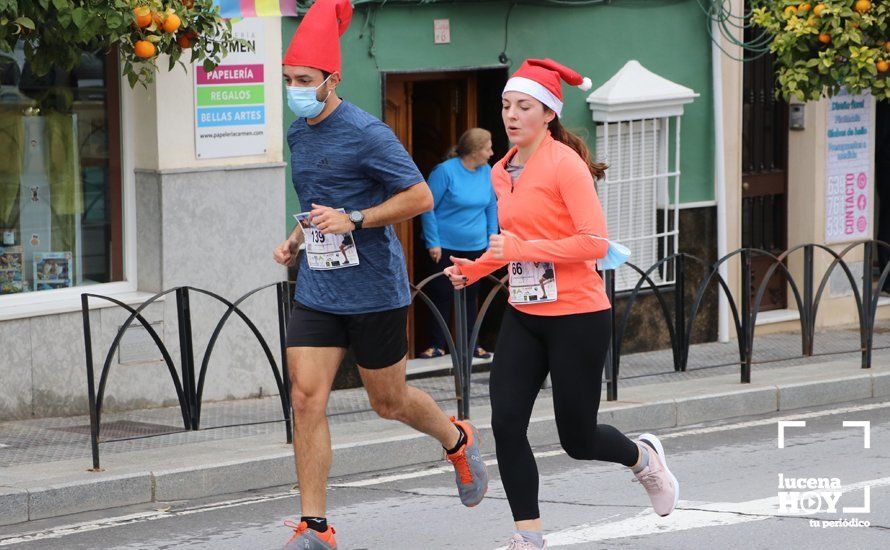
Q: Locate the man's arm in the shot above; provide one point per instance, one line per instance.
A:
(296, 237)
(402, 206)
(384, 160)
(287, 252)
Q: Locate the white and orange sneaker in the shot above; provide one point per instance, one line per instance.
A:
(659, 482)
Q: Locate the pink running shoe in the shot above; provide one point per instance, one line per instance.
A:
(516, 542)
(659, 482)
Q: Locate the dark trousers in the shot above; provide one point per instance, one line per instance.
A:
(441, 293)
(572, 348)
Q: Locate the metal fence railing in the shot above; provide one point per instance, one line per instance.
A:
(679, 319)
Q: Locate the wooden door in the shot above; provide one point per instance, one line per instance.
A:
(398, 116)
(427, 112)
(764, 175)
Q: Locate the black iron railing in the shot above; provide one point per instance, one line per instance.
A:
(189, 388)
(679, 320)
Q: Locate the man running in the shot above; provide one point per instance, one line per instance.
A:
(344, 158)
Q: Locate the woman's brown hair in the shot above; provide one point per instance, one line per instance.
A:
(469, 142)
(561, 134)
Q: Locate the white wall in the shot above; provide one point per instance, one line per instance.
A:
(164, 115)
(206, 223)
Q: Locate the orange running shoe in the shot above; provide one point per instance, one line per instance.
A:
(309, 539)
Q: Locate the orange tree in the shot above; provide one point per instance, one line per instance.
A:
(821, 47)
(54, 33)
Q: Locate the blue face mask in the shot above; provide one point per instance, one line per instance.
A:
(615, 257)
(303, 101)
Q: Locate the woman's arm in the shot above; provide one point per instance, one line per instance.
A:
(491, 214)
(438, 183)
(483, 266)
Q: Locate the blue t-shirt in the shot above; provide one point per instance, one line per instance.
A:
(353, 161)
(466, 209)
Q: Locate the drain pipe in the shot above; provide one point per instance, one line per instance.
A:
(720, 178)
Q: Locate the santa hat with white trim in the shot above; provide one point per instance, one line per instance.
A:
(542, 79)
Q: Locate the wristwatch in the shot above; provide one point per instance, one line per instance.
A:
(357, 218)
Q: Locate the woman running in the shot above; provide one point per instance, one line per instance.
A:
(549, 213)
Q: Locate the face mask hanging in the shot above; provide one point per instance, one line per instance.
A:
(615, 257)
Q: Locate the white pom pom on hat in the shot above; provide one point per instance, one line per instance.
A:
(586, 84)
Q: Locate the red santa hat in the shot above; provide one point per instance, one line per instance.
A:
(542, 79)
(317, 40)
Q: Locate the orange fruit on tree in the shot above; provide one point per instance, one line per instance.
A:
(188, 3)
(172, 23)
(862, 6)
(882, 66)
(187, 40)
(887, 46)
(813, 22)
(144, 49)
(143, 16)
(803, 8)
(824, 37)
(790, 10)
(818, 9)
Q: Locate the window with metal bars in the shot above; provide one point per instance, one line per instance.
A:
(639, 193)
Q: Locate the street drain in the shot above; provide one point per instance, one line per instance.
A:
(120, 429)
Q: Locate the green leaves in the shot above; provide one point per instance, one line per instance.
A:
(54, 33)
(818, 54)
(80, 17)
(114, 20)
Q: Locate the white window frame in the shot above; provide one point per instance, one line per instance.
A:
(66, 300)
(664, 203)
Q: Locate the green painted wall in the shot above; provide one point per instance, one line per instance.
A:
(669, 37)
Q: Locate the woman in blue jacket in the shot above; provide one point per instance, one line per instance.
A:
(464, 216)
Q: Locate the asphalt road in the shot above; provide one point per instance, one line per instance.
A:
(728, 471)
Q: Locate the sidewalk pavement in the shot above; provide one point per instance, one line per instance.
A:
(44, 462)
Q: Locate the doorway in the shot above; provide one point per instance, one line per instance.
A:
(428, 111)
(764, 176)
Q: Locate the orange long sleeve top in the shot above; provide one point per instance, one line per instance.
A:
(552, 211)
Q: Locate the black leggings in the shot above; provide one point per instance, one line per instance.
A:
(572, 348)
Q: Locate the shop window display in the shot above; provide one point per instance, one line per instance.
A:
(60, 208)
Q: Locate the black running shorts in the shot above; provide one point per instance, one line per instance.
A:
(378, 339)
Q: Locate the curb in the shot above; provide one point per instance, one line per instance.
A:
(640, 409)
(70, 498)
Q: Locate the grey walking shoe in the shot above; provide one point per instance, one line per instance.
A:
(470, 471)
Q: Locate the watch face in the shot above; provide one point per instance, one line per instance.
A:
(356, 216)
